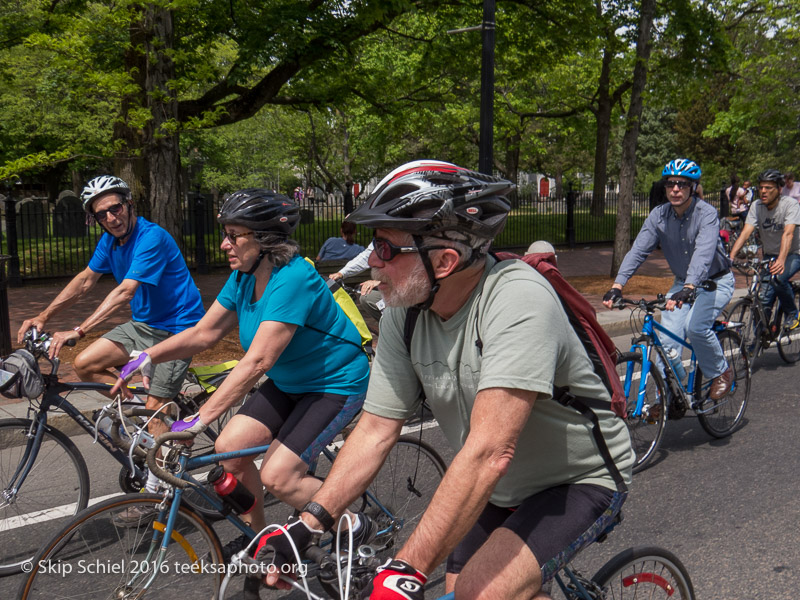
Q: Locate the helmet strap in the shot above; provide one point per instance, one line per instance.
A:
(128, 230)
(435, 283)
(252, 269)
(426, 260)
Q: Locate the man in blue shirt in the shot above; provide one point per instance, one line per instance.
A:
(152, 276)
(688, 230)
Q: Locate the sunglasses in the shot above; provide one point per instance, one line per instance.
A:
(386, 250)
(234, 236)
(681, 184)
(116, 209)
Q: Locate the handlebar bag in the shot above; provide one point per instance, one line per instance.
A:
(22, 376)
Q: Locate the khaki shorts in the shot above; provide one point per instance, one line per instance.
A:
(167, 378)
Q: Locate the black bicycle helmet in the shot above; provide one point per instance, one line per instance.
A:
(458, 200)
(260, 210)
(773, 176)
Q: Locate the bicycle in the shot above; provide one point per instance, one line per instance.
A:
(757, 331)
(648, 407)
(34, 455)
(180, 550)
(637, 572)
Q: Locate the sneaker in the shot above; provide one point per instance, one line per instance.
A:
(366, 531)
(793, 323)
(135, 516)
(235, 546)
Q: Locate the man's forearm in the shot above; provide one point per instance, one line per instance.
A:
(118, 297)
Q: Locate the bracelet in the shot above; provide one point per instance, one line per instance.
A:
(322, 515)
(81, 333)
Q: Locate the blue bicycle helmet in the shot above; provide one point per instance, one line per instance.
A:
(682, 167)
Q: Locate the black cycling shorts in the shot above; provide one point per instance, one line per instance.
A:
(304, 423)
(555, 524)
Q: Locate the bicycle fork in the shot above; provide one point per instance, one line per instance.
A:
(34, 435)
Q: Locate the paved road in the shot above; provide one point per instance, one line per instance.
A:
(728, 508)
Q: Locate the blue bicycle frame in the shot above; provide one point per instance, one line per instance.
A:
(646, 344)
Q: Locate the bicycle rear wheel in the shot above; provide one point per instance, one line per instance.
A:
(403, 488)
(645, 572)
(721, 417)
(55, 490)
(789, 341)
(647, 427)
(752, 327)
(95, 557)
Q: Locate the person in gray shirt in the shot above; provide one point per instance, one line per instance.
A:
(688, 230)
(776, 217)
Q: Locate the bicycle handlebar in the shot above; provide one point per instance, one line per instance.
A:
(152, 454)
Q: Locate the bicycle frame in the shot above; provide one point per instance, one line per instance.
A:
(646, 344)
(53, 399)
(162, 535)
(650, 341)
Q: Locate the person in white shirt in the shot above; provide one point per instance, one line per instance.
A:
(371, 299)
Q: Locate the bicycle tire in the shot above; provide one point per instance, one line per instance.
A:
(58, 484)
(789, 341)
(720, 418)
(646, 429)
(645, 572)
(748, 315)
(192, 563)
(405, 484)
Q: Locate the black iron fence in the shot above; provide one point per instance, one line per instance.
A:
(43, 239)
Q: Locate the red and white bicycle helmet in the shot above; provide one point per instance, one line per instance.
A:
(456, 199)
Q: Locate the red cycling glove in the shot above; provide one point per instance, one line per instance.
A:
(396, 580)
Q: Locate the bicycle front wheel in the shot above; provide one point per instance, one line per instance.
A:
(105, 554)
(721, 417)
(752, 327)
(645, 426)
(645, 572)
(401, 491)
(55, 490)
(789, 341)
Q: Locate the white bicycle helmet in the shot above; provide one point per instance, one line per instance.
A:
(102, 185)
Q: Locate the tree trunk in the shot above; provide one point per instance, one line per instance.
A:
(622, 237)
(161, 133)
(129, 163)
(603, 121)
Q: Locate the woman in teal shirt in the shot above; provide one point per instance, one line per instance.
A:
(291, 329)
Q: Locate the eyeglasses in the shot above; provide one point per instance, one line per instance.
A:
(234, 236)
(670, 183)
(116, 209)
(386, 250)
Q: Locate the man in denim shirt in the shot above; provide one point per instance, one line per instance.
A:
(688, 230)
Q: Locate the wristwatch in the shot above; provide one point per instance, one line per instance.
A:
(322, 515)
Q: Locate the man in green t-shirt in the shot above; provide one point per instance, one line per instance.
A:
(527, 487)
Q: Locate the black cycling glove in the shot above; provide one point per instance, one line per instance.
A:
(684, 296)
(613, 294)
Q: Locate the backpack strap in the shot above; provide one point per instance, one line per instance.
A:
(584, 406)
(412, 314)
